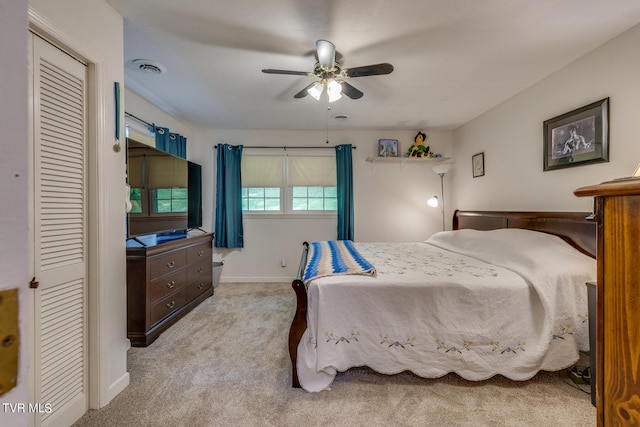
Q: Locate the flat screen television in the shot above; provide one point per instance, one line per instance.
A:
(194, 217)
(165, 197)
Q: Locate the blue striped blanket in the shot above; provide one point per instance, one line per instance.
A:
(335, 257)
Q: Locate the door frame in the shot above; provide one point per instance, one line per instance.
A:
(99, 392)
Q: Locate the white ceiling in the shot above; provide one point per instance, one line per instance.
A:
(453, 59)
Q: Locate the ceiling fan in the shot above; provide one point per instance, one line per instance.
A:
(331, 75)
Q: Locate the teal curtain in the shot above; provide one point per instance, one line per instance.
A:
(228, 220)
(344, 178)
(172, 143)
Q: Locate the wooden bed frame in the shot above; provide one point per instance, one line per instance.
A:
(577, 228)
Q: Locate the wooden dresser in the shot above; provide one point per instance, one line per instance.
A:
(164, 282)
(617, 209)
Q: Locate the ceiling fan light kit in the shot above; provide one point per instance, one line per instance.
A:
(315, 90)
(331, 75)
(334, 90)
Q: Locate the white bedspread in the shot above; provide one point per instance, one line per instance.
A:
(477, 303)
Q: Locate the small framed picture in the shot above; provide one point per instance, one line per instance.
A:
(477, 162)
(387, 148)
(578, 137)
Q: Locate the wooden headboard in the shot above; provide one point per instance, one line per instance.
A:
(577, 228)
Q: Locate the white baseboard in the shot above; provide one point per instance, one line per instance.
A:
(287, 279)
(115, 388)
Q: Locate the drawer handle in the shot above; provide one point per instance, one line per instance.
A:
(171, 305)
(200, 286)
(171, 264)
(593, 218)
(200, 253)
(171, 284)
(200, 270)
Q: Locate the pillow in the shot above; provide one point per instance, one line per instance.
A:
(514, 247)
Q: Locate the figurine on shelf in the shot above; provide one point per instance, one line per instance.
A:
(418, 149)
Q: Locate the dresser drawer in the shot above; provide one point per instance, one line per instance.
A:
(166, 284)
(200, 252)
(167, 263)
(196, 270)
(199, 286)
(168, 305)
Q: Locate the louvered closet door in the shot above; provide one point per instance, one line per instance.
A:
(59, 354)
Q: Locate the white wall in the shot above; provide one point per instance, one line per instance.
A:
(143, 109)
(390, 200)
(511, 135)
(14, 184)
(94, 31)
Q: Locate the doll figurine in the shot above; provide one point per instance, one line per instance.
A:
(418, 149)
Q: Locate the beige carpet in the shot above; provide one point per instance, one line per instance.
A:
(226, 364)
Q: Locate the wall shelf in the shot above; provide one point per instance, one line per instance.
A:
(408, 160)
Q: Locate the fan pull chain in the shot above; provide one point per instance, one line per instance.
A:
(328, 109)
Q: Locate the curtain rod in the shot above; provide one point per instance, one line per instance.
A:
(139, 119)
(284, 147)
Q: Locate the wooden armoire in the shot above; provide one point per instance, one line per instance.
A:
(617, 211)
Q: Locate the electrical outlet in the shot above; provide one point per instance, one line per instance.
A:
(579, 377)
(283, 262)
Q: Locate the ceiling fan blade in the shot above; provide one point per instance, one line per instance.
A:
(326, 53)
(368, 70)
(294, 73)
(350, 91)
(304, 92)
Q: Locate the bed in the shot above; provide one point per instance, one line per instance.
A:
(502, 294)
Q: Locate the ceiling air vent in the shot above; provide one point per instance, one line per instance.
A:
(146, 66)
(341, 116)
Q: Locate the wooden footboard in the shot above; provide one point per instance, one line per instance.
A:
(299, 322)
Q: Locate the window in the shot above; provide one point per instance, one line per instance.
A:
(170, 200)
(260, 199)
(136, 200)
(159, 202)
(289, 184)
(314, 198)
(262, 183)
(158, 182)
(313, 183)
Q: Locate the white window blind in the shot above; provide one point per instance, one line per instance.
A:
(312, 171)
(166, 172)
(146, 171)
(262, 171)
(136, 180)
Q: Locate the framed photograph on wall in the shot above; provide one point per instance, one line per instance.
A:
(387, 148)
(578, 137)
(477, 162)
